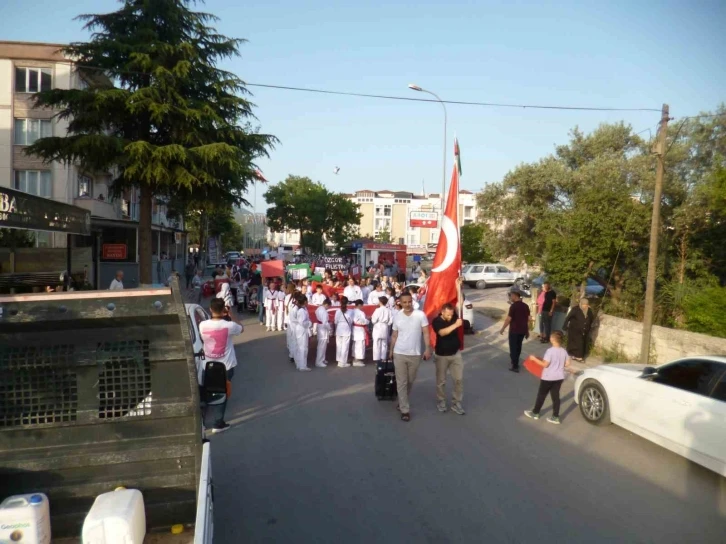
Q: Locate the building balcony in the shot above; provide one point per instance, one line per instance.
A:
(98, 208)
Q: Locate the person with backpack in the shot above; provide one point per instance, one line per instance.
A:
(217, 335)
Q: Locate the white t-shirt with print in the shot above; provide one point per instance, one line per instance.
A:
(410, 332)
(217, 337)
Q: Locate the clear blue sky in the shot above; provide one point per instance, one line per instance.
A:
(619, 54)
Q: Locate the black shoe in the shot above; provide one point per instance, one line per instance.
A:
(513, 368)
(221, 428)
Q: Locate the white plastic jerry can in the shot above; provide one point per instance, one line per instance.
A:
(25, 519)
(117, 517)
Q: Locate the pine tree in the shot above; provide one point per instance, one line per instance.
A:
(157, 110)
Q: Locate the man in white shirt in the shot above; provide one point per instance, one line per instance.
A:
(217, 333)
(352, 292)
(317, 300)
(410, 328)
(118, 282)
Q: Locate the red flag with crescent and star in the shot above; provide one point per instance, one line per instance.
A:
(441, 285)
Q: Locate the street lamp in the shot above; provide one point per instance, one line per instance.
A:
(443, 183)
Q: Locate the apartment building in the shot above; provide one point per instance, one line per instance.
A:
(408, 218)
(26, 69)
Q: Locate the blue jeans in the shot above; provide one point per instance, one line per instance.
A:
(262, 311)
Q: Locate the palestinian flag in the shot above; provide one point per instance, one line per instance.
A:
(457, 155)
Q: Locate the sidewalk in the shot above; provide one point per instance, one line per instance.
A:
(490, 317)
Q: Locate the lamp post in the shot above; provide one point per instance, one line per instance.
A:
(443, 182)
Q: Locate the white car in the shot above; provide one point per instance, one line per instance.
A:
(482, 276)
(467, 313)
(680, 405)
(195, 315)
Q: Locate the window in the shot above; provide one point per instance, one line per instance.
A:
(433, 236)
(719, 391)
(27, 131)
(412, 239)
(32, 80)
(695, 376)
(502, 270)
(34, 182)
(476, 269)
(490, 270)
(85, 185)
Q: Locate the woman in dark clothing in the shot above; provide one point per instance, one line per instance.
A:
(578, 324)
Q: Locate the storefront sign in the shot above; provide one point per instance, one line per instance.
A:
(429, 220)
(20, 210)
(386, 247)
(114, 252)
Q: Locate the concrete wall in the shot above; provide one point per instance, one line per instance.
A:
(667, 344)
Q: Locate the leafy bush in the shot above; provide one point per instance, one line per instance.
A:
(705, 311)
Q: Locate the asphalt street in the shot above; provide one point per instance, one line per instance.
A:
(314, 457)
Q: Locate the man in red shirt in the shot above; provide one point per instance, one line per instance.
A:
(518, 323)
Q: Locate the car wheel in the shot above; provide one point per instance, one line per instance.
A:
(481, 284)
(594, 405)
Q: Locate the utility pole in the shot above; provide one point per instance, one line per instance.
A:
(660, 150)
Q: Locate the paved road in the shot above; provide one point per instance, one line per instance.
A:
(313, 457)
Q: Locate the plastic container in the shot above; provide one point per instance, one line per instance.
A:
(25, 519)
(117, 517)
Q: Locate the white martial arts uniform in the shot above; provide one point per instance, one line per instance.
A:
(273, 309)
(316, 299)
(323, 317)
(382, 320)
(352, 293)
(360, 324)
(301, 331)
(343, 323)
(288, 305)
(291, 322)
(374, 296)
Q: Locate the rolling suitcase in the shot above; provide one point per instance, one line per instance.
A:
(385, 384)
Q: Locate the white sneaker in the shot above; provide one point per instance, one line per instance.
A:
(359, 363)
(306, 369)
(268, 329)
(320, 365)
(343, 365)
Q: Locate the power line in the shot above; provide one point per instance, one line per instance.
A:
(459, 102)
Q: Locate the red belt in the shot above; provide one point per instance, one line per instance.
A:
(365, 328)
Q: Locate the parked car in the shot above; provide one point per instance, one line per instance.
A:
(232, 256)
(195, 315)
(680, 405)
(467, 313)
(482, 276)
(593, 288)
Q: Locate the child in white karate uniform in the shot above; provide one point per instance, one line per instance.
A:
(323, 318)
(343, 323)
(301, 330)
(271, 307)
(317, 300)
(382, 320)
(360, 334)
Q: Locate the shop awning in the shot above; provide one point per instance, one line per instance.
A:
(20, 210)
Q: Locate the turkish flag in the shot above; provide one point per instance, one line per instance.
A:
(441, 285)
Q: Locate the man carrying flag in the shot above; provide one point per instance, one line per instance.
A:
(443, 299)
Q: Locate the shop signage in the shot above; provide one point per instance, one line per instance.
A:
(429, 220)
(20, 210)
(386, 247)
(114, 252)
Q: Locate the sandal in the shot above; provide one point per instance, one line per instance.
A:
(405, 417)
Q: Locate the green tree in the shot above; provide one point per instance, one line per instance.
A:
(157, 111)
(473, 245)
(300, 204)
(383, 236)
